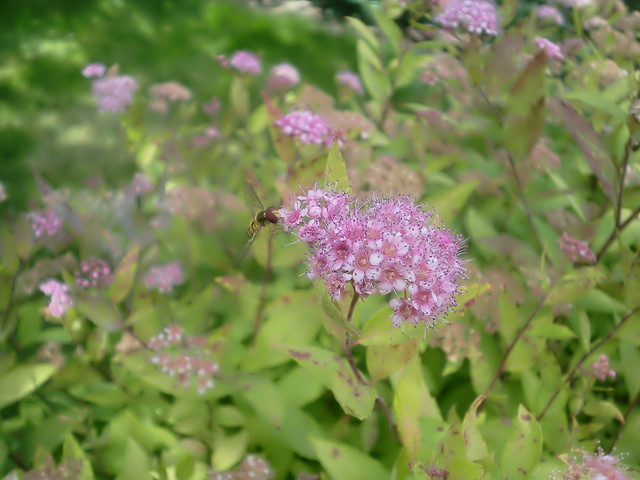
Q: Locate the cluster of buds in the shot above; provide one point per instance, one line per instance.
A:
(385, 245)
(576, 249)
(60, 301)
(252, 467)
(94, 273)
(164, 277)
(183, 357)
(45, 223)
(601, 370)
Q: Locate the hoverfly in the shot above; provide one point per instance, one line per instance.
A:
(263, 216)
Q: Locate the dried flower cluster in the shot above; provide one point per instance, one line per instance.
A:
(184, 357)
(601, 370)
(386, 245)
(253, 467)
(164, 277)
(475, 16)
(94, 273)
(307, 127)
(60, 301)
(576, 249)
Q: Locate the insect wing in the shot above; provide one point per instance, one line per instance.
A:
(247, 246)
(251, 197)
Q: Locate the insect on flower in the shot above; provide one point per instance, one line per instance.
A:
(264, 216)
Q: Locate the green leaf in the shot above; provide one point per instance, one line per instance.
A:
(453, 457)
(598, 102)
(239, 96)
(20, 381)
(124, 276)
(474, 444)
(383, 360)
(334, 319)
(336, 170)
(390, 30)
(522, 452)
(265, 398)
(551, 331)
(71, 450)
(343, 462)
(136, 464)
(603, 409)
(98, 310)
(355, 398)
(364, 32)
(379, 331)
(629, 361)
(229, 450)
(575, 284)
(449, 202)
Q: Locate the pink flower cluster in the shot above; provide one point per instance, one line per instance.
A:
(576, 249)
(140, 184)
(386, 245)
(164, 277)
(93, 273)
(60, 300)
(94, 70)
(45, 223)
(114, 93)
(283, 76)
(549, 12)
(307, 126)
(476, 16)
(596, 466)
(184, 358)
(350, 80)
(243, 61)
(601, 369)
(552, 50)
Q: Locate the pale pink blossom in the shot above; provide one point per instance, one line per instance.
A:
(164, 277)
(350, 80)
(94, 70)
(60, 301)
(552, 50)
(474, 16)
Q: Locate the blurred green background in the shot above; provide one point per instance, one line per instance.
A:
(49, 122)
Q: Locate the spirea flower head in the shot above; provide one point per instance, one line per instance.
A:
(94, 273)
(94, 70)
(583, 465)
(385, 245)
(552, 50)
(114, 93)
(245, 62)
(164, 277)
(283, 76)
(576, 249)
(183, 357)
(549, 12)
(60, 300)
(307, 126)
(601, 370)
(475, 16)
(350, 80)
(140, 184)
(45, 223)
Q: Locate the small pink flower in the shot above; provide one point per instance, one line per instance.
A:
(350, 80)
(94, 70)
(601, 370)
(245, 62)
(45, 223)
(164, 277)
(60, 300)
(475, 16)
(308, 127)
(212, 106)
(94, 273)
(141, 184)
(283, 76)
(549, 12)
(576, 249)
(552, 50)
(115, 93)
(596, 466)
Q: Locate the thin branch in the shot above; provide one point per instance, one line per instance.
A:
(523, 197)
(625, 163)
(616, 231)
(577, 366)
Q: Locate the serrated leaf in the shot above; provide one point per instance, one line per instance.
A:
(379, 331)
(21, 380)
(343, 462)
(390, 30)
(229, 450)
(124, 275)
(98, 310)
(364, 32)
(383, 360)
(71, 450)
(551, 331)
(475, 446)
